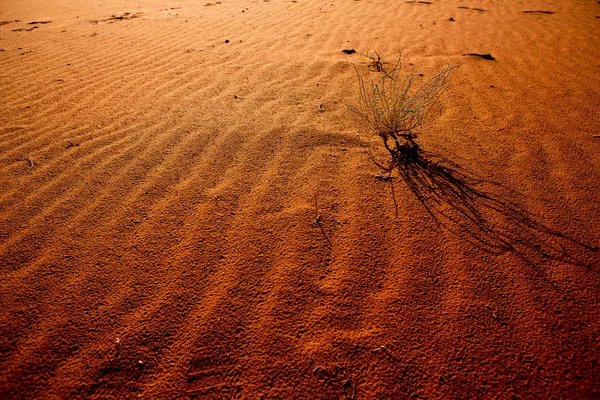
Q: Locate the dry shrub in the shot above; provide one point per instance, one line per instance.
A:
(376, 63)
(397, 106)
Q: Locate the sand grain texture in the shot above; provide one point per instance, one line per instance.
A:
(162, 165)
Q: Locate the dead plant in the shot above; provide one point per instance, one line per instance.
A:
(397, 106)
(376, 63)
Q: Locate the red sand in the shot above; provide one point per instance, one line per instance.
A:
(158, 187)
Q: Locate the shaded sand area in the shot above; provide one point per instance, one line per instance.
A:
(162, 166)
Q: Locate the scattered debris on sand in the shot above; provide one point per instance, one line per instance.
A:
(71, 144)
(485, 56)
(30, 163)
(117, 17)
(9, 22)
(472, 8)
(25, 29)
(537, 12)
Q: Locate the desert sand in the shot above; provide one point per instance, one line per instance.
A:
(187, 209)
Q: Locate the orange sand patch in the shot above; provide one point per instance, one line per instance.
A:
(162, 166)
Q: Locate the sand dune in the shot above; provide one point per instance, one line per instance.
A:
(162, 166)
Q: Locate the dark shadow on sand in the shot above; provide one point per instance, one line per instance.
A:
(484, 212)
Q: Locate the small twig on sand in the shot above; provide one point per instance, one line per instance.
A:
(321, 107)
(538, 12)
(384, 178)
(30, 163)
(318, 220)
